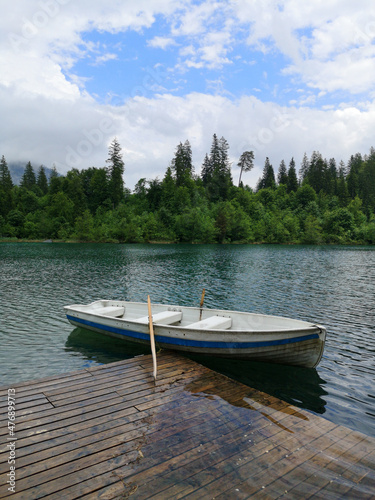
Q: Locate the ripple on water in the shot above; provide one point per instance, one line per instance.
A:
(333, 286)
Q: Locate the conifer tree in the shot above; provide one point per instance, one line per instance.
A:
(168, 190)
(6, 185)
(268, 178)
(207, 170)
(5, 177)
(354, 166)
(292, 183)
(332, 174)
(216, 174)
(304, 168)
(182, 165)
(246, 163)
(282, 176)
(41, 180)
(54, 183)
(28, 180)
(115, 171)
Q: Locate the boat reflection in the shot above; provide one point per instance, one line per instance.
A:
(100, 348)
(301, 387)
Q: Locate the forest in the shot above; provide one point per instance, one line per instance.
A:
(320, 202)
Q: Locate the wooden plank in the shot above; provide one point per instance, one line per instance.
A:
(110, 432)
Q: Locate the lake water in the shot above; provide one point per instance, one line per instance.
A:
(334, 286)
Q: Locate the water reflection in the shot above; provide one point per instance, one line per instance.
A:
(93, 346)
(241, 396)
(301, 387)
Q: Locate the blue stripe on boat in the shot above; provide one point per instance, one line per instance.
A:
(194, 343)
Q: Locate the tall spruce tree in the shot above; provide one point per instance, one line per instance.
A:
(5, 177)
(207, 170)
(216, 174)
(6, 185)
(317, 172)
(55, 181)
(282, 175)
(42, 181)
(292, 183)
(304, 168)
(268, 178)
(182, 165)
(332, 176)
(28, 180)
(354, 167)
(115, 171)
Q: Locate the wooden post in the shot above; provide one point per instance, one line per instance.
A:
(152, 338)
(201, 305)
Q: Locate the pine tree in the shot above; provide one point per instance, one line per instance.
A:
(354, 166)
(28, 180)
(115, 171)
(268, 178)
(304, 168)
(207, 170)
(41, 180)
(246, 163)
(5, 177)
(54, 183)
(342, 188)
(282, 176)
(332, 174)
(316, 174)
(6, 186)
(292, 183)
(182, 164)
(216, 174)
(168, 190)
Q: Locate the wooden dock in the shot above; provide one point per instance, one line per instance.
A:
(110, 432)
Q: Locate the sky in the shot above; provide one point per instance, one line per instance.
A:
(279, 78)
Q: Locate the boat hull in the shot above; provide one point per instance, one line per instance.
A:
(301, 345)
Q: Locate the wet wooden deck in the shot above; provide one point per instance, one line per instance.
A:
(110, 432)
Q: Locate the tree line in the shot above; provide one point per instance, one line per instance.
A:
(319, 202)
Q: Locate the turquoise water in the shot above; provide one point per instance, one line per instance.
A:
(334, 286)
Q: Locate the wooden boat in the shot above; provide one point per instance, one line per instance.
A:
(230, 334)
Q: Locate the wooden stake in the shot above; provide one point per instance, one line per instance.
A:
(201, 305)
(152, 338)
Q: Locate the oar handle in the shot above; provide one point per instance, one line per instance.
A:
(202, 298)
(201, 304)
(152, 338)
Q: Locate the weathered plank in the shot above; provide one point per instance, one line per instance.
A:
(111, 431)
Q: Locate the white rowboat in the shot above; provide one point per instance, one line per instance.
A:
(230, 334)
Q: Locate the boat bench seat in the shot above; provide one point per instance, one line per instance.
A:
(212, 323)
(114, 311)
(162, 318)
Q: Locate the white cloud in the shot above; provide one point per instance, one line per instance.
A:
(104, 58)
(329, 44)
(48, 116)
(161, 42)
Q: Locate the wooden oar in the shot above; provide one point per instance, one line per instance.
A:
(152, 338)
(201, 305)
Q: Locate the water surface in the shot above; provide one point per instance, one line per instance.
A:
(334, 286)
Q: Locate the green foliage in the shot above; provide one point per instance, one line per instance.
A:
(330, 205)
